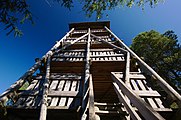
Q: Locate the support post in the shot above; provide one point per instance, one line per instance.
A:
(91, 100)
(86, 77)
(43, 109)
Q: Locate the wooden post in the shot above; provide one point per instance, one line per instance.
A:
(86, 76)
(127, 69)
(163, 84)
(43, 110)
(91, 100)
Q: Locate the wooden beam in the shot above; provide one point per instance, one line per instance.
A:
(86, 77)
(123, 50)
(123, 99)
(147, 111)
(54, 93)
(72, 43)
(43, 110)
(92, 56)
(91, 100)
(163, 84)
(127, 74)
(147, 93)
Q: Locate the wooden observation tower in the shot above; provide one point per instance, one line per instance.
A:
(90, 74)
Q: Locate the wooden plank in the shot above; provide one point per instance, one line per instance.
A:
(135, 85)
(148, 87)
(54, 101)
(129, 108)
(140, 82)
(152, 103)
(32, 85)
(53, 86)
(61, 85)
(147, 93)
(159, 102)
(62, 101)
(67, 85)
(73, 88)
(66, 88)
(63, 93)
(144, 109)
(103, 112)
(137, 76)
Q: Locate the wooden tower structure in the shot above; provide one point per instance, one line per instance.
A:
(90, 74)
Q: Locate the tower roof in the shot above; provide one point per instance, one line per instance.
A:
(92, 25)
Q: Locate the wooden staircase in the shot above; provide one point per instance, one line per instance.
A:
(140, 97)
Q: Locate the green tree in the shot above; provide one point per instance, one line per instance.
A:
(162, 52)
(99, 6)
(15, 12)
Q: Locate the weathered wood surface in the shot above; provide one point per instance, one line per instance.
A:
(123, 99)
(91, 100)
(144, 90)
(44, 104)
(86, 78)
(147, 111)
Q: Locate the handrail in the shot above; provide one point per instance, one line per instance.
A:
(148, 112)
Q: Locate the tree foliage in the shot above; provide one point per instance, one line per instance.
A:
(15, 12)
(162, 52)
(99, 6)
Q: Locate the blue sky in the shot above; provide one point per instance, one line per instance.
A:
(51, 23)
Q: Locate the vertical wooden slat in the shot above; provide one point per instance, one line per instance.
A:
(66, 88)
(73, 88)
(53, 87)
(159, 102)
(152, 103)
(140, 82)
